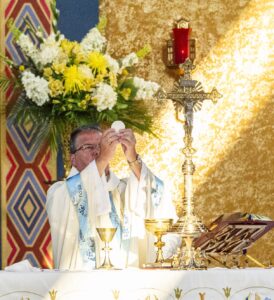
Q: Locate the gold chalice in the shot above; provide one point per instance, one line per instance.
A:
(158, 227)
(106, 235)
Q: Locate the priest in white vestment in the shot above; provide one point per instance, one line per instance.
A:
(111, 202)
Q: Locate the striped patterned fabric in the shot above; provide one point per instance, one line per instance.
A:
(25, 230)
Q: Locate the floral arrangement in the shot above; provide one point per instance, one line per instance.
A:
(63, 84)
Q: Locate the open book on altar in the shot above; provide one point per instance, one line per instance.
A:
(233, 233)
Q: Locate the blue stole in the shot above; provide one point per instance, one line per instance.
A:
(123, 233)
(157, 190)
(79, 199)
(123, 230)
(115, 220)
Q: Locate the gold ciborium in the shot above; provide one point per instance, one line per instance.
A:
(106, 235)
(158, 227)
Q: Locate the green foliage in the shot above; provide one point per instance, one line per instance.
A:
(4, 83)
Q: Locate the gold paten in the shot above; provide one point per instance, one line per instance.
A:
(106, 235)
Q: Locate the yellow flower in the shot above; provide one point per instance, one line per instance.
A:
(59, 68)
(124, 72)
(113, 79)
(83, 104)
(76, 48)
(56, 87)
(88, 83)
(68, 46)
(97, 62)
(99, 78)
(80, 57)
(87, 97)
(47, 72)
(61, 58)
(88, 78)
(126, 93)
(21, 68)
(73, 79)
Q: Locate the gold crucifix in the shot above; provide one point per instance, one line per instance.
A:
(188, 96)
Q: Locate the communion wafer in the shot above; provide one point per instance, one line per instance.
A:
(118, 125)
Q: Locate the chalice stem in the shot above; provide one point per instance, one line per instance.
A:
(159, 257)
(107, 263)
(159, 244)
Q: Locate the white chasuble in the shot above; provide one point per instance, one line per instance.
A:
(133, 203)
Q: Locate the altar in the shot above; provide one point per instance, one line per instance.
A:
(134, 284)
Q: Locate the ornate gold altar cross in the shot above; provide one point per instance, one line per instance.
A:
(188, 95)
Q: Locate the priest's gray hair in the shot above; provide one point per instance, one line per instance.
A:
(77, 131)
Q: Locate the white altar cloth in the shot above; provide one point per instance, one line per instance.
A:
(212, 284)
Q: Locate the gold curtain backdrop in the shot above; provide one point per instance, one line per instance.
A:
(234, 138)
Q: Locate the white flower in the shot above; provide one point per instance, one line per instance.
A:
(36, 88)
(146, 89)
(93, 41)
(130, 60)
(112, 63)
(49, 50)
(27, 46)
(39, 33)
(104, 97)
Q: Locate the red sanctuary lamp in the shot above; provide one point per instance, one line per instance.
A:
(181, 37)
(181, 46)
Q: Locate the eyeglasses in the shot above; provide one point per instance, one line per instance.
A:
(88, 148)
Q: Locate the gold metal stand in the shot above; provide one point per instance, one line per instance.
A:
(188, 96)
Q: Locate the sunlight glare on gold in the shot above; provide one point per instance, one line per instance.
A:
(240, 66)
